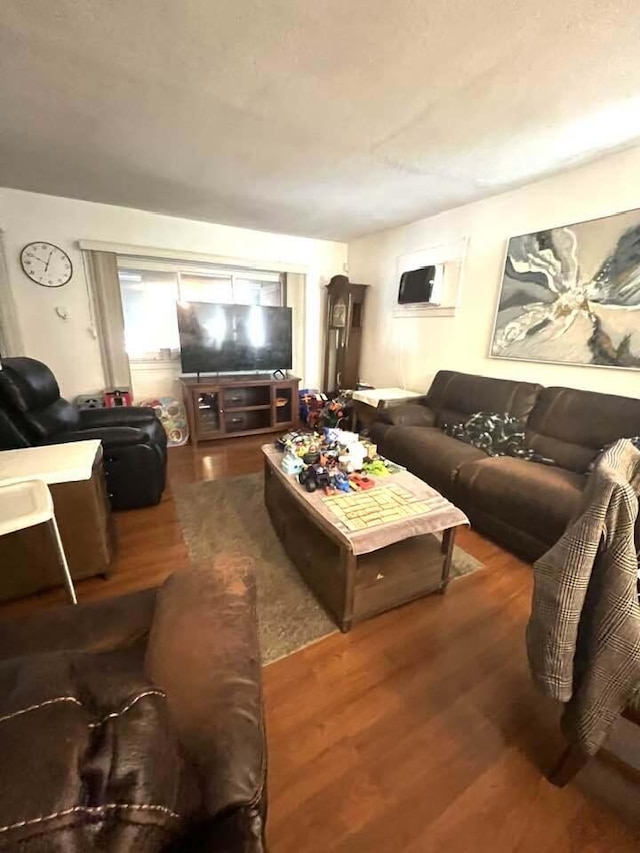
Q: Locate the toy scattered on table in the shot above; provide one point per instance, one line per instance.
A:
(314, 477)
(353, 457)
(311, 404)
(299, 448)
(360, 483)
(337, 411)
(334, 460)
(173, 418)
(339, 482)
(342, 436)
(292, 464)
(320, 410)
(361, 510)
(332, 480)
(376, 468)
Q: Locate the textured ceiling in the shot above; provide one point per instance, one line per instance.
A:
(329, 118)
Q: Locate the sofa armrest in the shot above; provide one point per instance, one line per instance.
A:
(95, 626)
(111, 437)
(203, 652)
(408, 414)
(119, 416)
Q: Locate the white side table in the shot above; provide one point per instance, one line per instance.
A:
(366, 402)
(51, 463)
(25, 504)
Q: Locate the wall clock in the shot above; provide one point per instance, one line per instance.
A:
(46, 264)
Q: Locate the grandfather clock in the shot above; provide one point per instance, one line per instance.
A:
(343, 334)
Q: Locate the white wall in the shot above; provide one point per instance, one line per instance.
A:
(408, 352)
(68, 347)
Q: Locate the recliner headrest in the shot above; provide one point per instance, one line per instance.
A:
(27, 384)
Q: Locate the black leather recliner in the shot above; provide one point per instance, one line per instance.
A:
(32, 412)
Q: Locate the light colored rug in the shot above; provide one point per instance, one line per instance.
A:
(228, 516)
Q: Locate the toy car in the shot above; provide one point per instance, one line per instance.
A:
(360, 482)
(340, 481)
(314, 477)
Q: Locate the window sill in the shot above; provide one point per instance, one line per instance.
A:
(155, 363)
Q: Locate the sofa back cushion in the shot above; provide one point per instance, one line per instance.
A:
(571, 426)
(29, 389)
(455, 396)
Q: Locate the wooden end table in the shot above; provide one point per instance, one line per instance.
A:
(75, 475)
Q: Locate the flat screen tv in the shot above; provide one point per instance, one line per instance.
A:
(226, 338)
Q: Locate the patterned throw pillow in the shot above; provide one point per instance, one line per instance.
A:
(498, 434)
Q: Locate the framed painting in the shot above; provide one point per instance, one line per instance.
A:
(571, 295)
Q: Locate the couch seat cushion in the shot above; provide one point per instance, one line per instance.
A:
(429, 454)
(538, 499)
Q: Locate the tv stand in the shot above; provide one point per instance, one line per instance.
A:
(225, 407)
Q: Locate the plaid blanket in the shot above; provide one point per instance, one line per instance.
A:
(583, 637)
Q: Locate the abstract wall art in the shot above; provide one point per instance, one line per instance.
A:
(571, 295)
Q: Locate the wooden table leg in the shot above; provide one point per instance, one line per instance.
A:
(349, 567)
(448, 539)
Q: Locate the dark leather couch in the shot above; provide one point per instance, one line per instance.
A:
(523, 505)
(32, 412)
(136, 723)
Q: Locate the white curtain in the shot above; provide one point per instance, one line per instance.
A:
(102, 272)
(296, 300)
(10, 337)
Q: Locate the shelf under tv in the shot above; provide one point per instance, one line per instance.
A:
(233, 406)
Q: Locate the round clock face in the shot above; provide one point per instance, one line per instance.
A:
(46, 264)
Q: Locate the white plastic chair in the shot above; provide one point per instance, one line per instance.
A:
(25, 504)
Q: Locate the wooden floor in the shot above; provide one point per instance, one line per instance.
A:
(420, 730)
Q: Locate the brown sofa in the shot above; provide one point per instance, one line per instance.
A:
(136, 723)
(523, 505)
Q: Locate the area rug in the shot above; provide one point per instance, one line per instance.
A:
(228, 516)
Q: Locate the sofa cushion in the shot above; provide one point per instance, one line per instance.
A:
(539, 499)
(455, 396)
(408, 414)
(377, 431)
(428, 453)
(572, 426)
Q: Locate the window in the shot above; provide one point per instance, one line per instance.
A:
(150, 290)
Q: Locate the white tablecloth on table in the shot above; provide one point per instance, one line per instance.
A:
(440, 515)
(374, 396)
(53, 463)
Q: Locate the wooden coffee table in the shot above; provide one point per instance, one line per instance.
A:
(356, 570)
